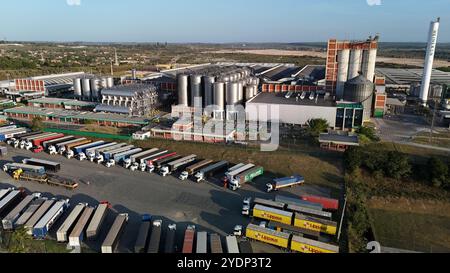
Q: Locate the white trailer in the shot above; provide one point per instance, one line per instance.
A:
(10, 219)
(77, 235)
(4, 192)
(29, 212)
(9, 200)
(232, 244)
(65, 228)
(99, 150)
(38, 215)
(142, 154)
(231, 175)
(202, 242)
(112, 239)
(41, 229)
(96, 222)
(92, 151)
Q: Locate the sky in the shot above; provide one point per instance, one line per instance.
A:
(221, 21)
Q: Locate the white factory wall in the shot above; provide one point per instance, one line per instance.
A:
(300, 114)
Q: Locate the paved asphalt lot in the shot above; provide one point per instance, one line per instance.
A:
(207, 205)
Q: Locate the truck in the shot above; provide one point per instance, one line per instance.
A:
(151, 162)
(268, 236)
(109, 154)
(230, 175)
(232, 244)
(121, 157)
(9, 221)
(188, 243)
(327, 203)
(169, 246)
(41, 229)
(137, 157)
(27, 142)
(47, 144)
(29, 212)
(11, 133)
(80, 151)
(10, 200)
(69, 148)
(155, 237)
(38, 143)
(10, 167)
(142, 238)
(61, 147)
(49, 179)
(15, 141)
(4, 192)
(91, 153)
(95, 225)
(76, 237)
(38, 215)
(170, 167)
(215, 244)
(66, 227)
(202, 242)
(245, 177)
(49, 166)
(280, 183)
(161, 162)
(111, 241)
(246, 207)
(210, 170)
(193, 168)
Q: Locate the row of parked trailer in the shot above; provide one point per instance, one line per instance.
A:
(164, 162)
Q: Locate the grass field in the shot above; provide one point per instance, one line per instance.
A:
(417, 225)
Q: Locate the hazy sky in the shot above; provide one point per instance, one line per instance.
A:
(221, 20)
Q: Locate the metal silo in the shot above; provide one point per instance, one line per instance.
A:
(355, 63)
(219, 95)
(232, 90)
(77, 87)
(110, 82)
(208, 82)
(240, 91)
(369, 63)
(249, 92)
(360, 90)
(86, 85)
(196, 87)
(183, 93)
(343, 59)
(104, 83)
(95, 88)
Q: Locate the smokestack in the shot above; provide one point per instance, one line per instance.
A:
(429, 59)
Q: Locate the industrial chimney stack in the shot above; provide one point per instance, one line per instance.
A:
(429, 59)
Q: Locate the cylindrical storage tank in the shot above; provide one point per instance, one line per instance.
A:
(133, 74)
(219, 95)
(249, 92)
(196, 88)
(232, 90)
(77, 87)
(86, 85)
(343, 59)
(208, 82)
(110, 82)
(369, 63)
(355, 64)
(429, 59)
(255, 90)
(183, 94)
(104, 83)
(95, 88)
(360, 90)
(241, 91)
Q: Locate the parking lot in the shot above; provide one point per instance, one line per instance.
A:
(207, 205)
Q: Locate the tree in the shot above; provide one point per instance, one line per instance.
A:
(317, 126)
(37, 124)
(353, 158)
(369, 133)
(397, 165)
(18, 241)
(438, 172)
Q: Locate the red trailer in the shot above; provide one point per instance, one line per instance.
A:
(188, 243)
(37, 143)
(327, 203)
(150, 162)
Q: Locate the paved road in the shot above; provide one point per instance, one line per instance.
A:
(207, 205)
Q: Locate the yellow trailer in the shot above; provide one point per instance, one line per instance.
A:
(305, 245)
(315, 224)
(271, 214)
(76, 144)
(268, 236)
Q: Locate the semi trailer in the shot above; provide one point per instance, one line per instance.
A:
(152, 161)
(38, 143)
(188, 242)
(232, 244)
(9, 222)
(41, 229)
(77, 235)
(202, 242)
(53, 142)
(155, 237)
(161, 162)
(11, 133)
(210, 170)
(10, 200)
(171, 167)
(245, 177)
(169, 246)
(10, 167)
(111, 241)
(66, 227)
(92, 152)
(327, 203)
(49, 166)
(137, 157)
(286, 182)
(95, 225)
(142, 237)
(232, 173)
(29, 212)
(215, 244)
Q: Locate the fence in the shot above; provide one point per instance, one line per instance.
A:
(88, 134)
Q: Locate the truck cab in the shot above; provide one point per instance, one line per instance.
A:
(16, 143)
(81, 156)
(127, 163)
(28, 146)
(143, 167)
(100, 159)
(38, 149)
(52, 150)
(199, 177)
(246, 206)
(70, 154)
(237, 230)
(184, 176)
(110, 163)
(164, 171)
(234, 185)
(22, 144)
(151, 168)
(62, 150)
(91, 156)
(10, 141)
(134, 167)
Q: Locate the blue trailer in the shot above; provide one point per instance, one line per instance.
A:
(7, 134)
(109, 154)
(124, 155)
(41, 229)
(83, 148)
(285, 182)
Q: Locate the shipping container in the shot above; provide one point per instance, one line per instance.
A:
(316, 224)
(64, 230)
(305, 245)
(249, 175)
(269, 236)
(9, 201)
(48, 165)
(53, 142)
(155, 237)
(96, 222)
(29, 212)
(272, 214)
(41, 229)
(202, 242)
(188, 243)
(113, 238)
(77, 235)
(327, 203)
(232, 244)
(9, 221)
(215, 244)
(142, 238)
(169, 246)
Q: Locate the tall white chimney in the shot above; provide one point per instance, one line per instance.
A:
(429, 59)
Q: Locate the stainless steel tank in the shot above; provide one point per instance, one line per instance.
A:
(110, 82)
(360, 90)
(77, 87)
(249, 92)
(196, 87)
(232, 90)
(343, 60)
(219, 95)
(183, 94)
(95, 88)
(86, 85)
(104, 83)
(240, 91)
(208, 82)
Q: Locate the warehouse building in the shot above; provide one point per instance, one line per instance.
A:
(58, 103)
(62, 116)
